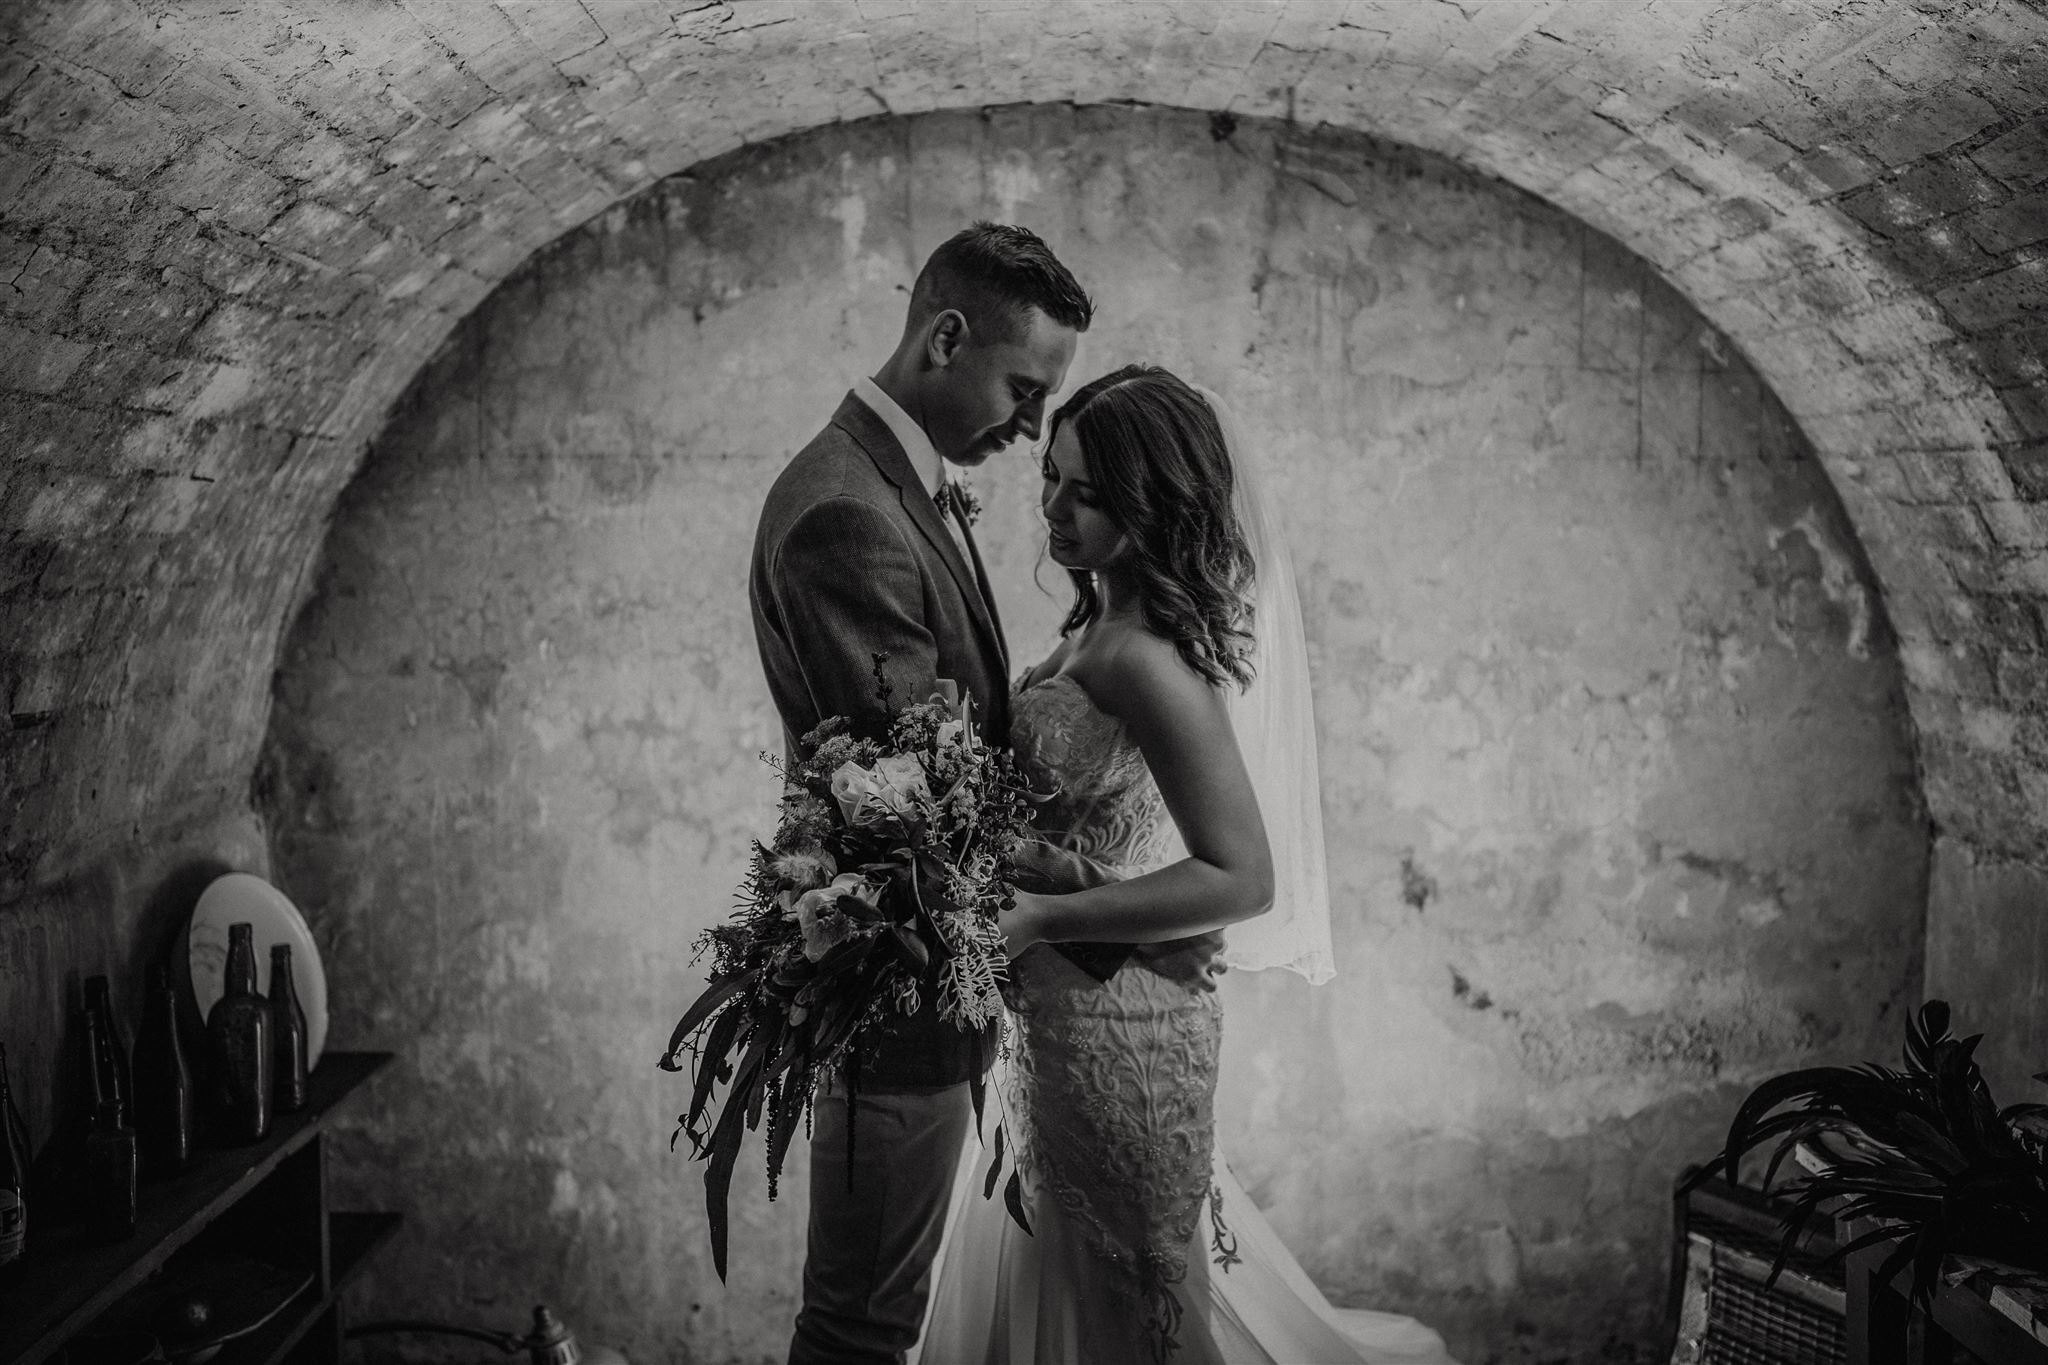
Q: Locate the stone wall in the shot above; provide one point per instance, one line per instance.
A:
(1619, 782)
(231, 233)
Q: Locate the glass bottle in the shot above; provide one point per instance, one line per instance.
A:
(238, 1047)
(163, 1082)
(13, 1174)
(110, 1172)
(110, 1058)
(287, 1033)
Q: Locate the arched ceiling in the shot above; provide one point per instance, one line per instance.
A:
(233, 230)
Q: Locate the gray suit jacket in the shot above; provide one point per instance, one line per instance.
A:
(851, 559)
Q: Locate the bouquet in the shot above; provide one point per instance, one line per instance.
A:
(884, 879)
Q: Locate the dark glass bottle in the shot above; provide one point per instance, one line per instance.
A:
(13, 1174)
(238, 1048)
(110, 1057)
(163, 1082)
(287, 1033)
(110, 1172)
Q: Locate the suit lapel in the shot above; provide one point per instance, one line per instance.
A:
(873, 435)
(981, 581)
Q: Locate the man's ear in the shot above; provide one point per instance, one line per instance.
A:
(945, 337)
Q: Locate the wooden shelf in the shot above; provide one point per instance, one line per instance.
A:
(355, 1238)
(2004, 1320)
(68, 1282)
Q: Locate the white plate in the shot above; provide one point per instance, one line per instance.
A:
(244, 898)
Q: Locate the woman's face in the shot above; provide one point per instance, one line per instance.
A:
(1080, 534)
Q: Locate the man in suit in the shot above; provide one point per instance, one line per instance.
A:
(862, 549)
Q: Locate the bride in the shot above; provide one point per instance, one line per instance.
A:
(1184, 638)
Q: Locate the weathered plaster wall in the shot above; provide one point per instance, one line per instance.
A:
(231, 231)
(1620, 793)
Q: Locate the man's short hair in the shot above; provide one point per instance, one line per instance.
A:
(992, 274)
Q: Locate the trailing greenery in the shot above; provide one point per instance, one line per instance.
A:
(1928, 1154)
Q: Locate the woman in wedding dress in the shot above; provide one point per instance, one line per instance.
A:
(1184, 640)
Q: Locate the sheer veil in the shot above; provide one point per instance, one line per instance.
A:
(1276, 730)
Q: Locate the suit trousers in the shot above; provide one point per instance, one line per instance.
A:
(868, 1261)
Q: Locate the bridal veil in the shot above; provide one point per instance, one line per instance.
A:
(1275, 723)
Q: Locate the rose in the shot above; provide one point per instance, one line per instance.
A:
(818, 913)
(852, 785)
(900, 783)
(893, 786)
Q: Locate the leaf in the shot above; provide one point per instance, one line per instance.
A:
(1013, 1199)
(929, 927)
(717, 1187)
(857, 910)
(710, 1061)
(911, 947)
(715, 994)
(724, 1149)
(995, 1169)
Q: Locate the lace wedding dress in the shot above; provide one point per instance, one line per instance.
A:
(1143, 1247)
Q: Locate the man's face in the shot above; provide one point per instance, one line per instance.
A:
(990, 392)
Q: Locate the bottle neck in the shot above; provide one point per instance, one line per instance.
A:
(95, 1049)
(240, 978)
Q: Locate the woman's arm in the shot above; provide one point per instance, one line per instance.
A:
(1179, 723)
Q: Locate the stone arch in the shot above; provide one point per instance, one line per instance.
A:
(233, 233)
(1618, 781)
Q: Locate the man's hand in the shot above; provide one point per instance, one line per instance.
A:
(1195, 962)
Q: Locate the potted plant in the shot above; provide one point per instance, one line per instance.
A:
(1925, 1152)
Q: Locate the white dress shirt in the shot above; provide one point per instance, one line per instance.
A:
(924, 457)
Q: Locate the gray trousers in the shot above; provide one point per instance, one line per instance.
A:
(868, 1261)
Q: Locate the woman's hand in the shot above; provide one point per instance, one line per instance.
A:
(1023, 924)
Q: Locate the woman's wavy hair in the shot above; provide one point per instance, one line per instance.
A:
(1161, 470)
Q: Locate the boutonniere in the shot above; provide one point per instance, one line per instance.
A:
(955, 493)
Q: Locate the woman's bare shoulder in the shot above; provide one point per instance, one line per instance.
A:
(1136, 675)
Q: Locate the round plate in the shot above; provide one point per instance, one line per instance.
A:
(244, 898)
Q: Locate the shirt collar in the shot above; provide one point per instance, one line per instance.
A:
(924, 457)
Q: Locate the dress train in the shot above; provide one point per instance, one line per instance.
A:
(1003, 1297)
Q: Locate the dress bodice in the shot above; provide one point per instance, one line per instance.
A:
(1102, 800)
(1112, 1081)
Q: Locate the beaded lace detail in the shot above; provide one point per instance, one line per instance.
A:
(1104, 802)
(1114, 1083)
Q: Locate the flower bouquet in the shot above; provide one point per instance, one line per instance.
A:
(884, 879)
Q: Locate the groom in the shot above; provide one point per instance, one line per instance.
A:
(864, 549)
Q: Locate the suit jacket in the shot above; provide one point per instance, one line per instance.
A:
(851, 560)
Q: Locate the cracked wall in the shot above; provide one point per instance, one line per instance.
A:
(1620, 789)
(231, 231)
